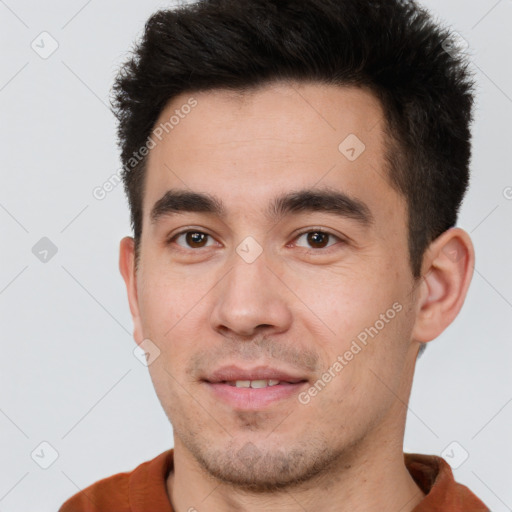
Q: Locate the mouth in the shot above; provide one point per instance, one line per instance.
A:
(253, 389)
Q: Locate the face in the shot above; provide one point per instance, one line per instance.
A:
(308, 300)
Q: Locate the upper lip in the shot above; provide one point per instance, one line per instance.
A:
(233, 373)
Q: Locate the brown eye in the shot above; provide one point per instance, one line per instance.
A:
(193, 239)
(318, 239)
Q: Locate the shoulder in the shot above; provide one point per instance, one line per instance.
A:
(102, 494)
(117, 491)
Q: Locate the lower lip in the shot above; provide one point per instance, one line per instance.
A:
(254, 398)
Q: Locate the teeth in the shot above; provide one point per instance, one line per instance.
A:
(254, 383)
(259, 383)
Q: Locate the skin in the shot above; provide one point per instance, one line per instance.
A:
(298, 305)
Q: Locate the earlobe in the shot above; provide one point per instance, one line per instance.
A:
(447, 272)
(127, 269)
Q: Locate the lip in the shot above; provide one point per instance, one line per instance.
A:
(232, 372)
(252, 399)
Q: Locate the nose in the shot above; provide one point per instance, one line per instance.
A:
(251, 298)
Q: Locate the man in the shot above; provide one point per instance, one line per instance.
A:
(294, 170)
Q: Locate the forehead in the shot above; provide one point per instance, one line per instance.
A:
(249, 146)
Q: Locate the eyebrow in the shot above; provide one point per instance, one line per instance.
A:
(326, 200)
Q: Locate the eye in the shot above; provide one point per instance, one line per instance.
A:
(318, 238)
(193, 238)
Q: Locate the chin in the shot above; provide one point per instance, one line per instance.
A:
(262, 468)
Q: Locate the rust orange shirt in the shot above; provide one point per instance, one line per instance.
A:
(144, 488)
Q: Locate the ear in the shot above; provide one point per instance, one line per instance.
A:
(127, 269)
(447, 270)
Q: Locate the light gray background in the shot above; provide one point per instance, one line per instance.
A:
(68, 374)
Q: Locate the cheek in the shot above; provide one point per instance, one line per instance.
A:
(348, 302)
(164, 301)
(170, 389)
(366, 320)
